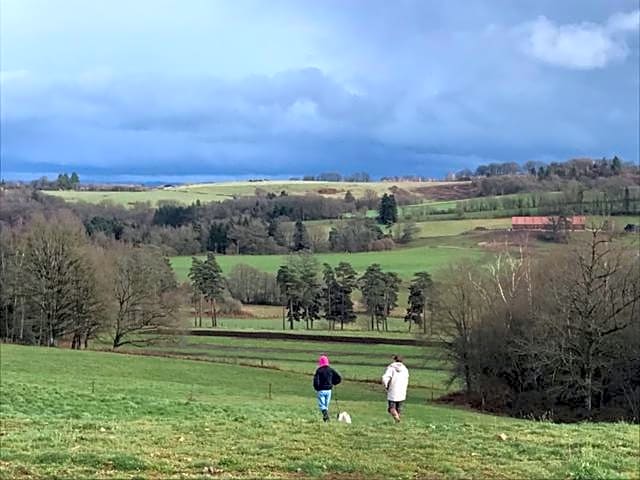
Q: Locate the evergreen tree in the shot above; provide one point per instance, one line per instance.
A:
(275, 231)
(346, 279)
(419, 300)
(372, 286)
(74, 180)
(300, 237)
(195, 276)
(391, 286)
(206, 278)
(63, 182)
(348, 197)
(298, 282)
(387, 210)
(218, 238)
(616, 165)
(289, 290)
(304, 268)
(330, 295)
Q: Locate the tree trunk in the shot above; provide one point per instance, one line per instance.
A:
(467, 378)
(424, 319)
(21, 319)
(284, 326)
(290, 315)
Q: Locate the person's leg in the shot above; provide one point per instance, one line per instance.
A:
(327, 401)
(324, 396)
(393, 410)
(399, 406)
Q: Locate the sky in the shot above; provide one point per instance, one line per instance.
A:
(172, 89)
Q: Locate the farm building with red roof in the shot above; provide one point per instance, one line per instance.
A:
(547, 223)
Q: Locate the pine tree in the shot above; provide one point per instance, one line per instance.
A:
(300, 289)
(206, 278)
(300, 237)
(218, 238)
(616, 165)
(347, 282)
(275, 232)
(289, 289)
(304, 267)
(348, 197)
(419, 300)
(391, 286)
(387, 210)
(372, 286)
(330, 295)
(195, 275)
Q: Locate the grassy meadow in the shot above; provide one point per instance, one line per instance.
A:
(255, 320)
(83, 414)
(215, 192)
(357, 362)
(404, 261)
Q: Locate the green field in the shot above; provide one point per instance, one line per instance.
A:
(363, 362)
(397, 326)
(71, 414)
(429, 229)
(405, 261)
(214, 192)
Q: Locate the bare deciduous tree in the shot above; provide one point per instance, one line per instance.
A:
(144, 294)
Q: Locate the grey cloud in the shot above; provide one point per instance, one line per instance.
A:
(411, 86)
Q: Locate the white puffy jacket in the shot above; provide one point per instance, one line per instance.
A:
(396, 381)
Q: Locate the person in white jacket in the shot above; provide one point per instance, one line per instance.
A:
(396, 381)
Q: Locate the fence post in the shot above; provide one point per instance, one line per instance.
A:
(269, 391)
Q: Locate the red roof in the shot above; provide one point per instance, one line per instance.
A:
(576, 220)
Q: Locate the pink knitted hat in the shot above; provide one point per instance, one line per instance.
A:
(323, 361)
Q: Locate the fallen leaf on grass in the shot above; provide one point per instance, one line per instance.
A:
(503, 437)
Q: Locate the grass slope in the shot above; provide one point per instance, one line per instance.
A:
(99, 415)
(362, 362)
(404, 261)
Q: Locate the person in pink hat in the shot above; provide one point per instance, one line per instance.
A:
(324, 380)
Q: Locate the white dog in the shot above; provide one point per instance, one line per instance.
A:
(344, 417)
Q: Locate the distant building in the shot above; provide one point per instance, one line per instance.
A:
(547, 223)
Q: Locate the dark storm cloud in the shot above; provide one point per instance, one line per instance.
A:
(396, 87)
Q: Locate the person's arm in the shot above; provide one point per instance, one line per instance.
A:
(336, 378)
(386, 378)
(315, 381)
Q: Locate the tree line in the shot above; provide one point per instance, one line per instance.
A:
(309, 292)
(576, 168)
(553, 337)
(274, 224)
(56, 285)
